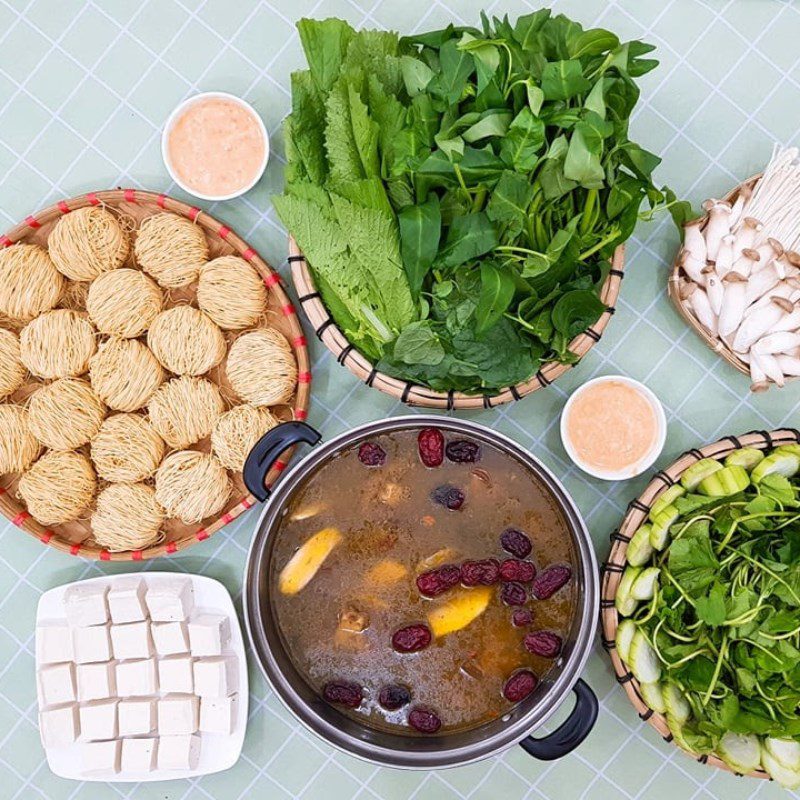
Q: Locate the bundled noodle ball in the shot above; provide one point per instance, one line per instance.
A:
(192, 486)
(127, 517)
(58, 344)
(12, 370)
(59, 487)
(29, 282)
(123, 303)
(126, 449)
(171, 249)
(231, 292)
(125, 374)
(186, 341)
(183, 410)
(261, 367)
(75, 295)
(19, 448)
(65, 414)
(87, 242)
(236, 432)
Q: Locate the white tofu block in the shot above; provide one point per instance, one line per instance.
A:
(139, 755)
(100, 757)
(218, 714)
(91, 644)
(170, 600)
(216, 677)
(175, 675)
(58, 727)
(136, 717)
(132, 640)
(126, 601)
(96, 681)
(53, 642)
(99, 720)
(178, 752)
(57, 684)
(170, 638)
(209, 634)
(86, 605)
(137, 678)
(178, 714)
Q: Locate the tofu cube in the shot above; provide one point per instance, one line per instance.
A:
(99, 720)
(57, 684)
(136, 717)
(86, 605)
(132, 640)
(178, 752)
(170, 638)
(218, 714)
(170, 599)
(58, 727)
(53, 642)
(96, 681)
(175, 675)
(91, 644)
(209, 634)
(137, 678)
(216, 677)
(139, 755)
(100, 757)
(178, 714)
(126, 601)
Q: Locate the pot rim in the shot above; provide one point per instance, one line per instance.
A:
(399, 756)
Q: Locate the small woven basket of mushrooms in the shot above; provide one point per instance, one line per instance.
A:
(736, 279)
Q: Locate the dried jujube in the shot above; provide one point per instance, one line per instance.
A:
(371, 454)
(550, 580)
(521, 618)
(424, 720)
(543, 643)
(517, 543)
(342, 693)
(513, 594)
(513, 569)
(463, 451)
(393, 697)
(436, 581)
(430, 443)
(476, 573)
(451, 497)
(519, 685)
(412, 638)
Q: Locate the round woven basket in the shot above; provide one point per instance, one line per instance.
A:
(612, 569)
(673, 289)
(414, 395)
(76, 537)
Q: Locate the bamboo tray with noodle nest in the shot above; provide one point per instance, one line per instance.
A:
(133, 206)
(415, 395)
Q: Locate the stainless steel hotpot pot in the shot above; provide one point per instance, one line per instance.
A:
(400, 750)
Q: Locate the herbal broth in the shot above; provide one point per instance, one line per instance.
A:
(385, 528)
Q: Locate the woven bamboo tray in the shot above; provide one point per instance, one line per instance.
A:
(414, 395)
(75, 537)
(673, 289)
(612, 569)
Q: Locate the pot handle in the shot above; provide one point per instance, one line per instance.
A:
(266, 450)
(571, 732)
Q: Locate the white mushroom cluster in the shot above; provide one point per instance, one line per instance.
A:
(740, 282)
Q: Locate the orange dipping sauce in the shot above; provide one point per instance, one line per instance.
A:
(611, 426)
(216, 147)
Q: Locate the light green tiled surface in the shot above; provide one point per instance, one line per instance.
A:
(84, 89)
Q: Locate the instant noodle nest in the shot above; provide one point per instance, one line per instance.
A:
(58, 344)
(186, 341)
(127, 517)
(231, 293)
(88, 242)
(59, 487)
(29, 282)
(192, 486)
(65, 414)
(126, 449)
(125, 374)
(123, 303)
(262, 368)
(12, 370)
(19, 448)
(236, 432)
(171, 249)
(183, 411)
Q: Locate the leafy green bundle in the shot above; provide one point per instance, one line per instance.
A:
(458, 194)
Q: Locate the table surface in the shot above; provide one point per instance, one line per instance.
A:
(84, 90)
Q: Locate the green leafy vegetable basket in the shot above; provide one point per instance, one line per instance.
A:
(700, 604)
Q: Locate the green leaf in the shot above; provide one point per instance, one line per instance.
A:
(325, 44)
(582, 163)
(778, 488)
(594, 42)
(510, 200)
(527, 27)
(416, 75)
(304, 132)
(535, 96)
(595, 101)
(497, 291)
(562, 80)
(419, 344)
(711, 608)
(575, 311)
(420, 230)
(468, 238)
(524, 141)
(456, 67)
(493, 123)
(640, 160)
(351, 137)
